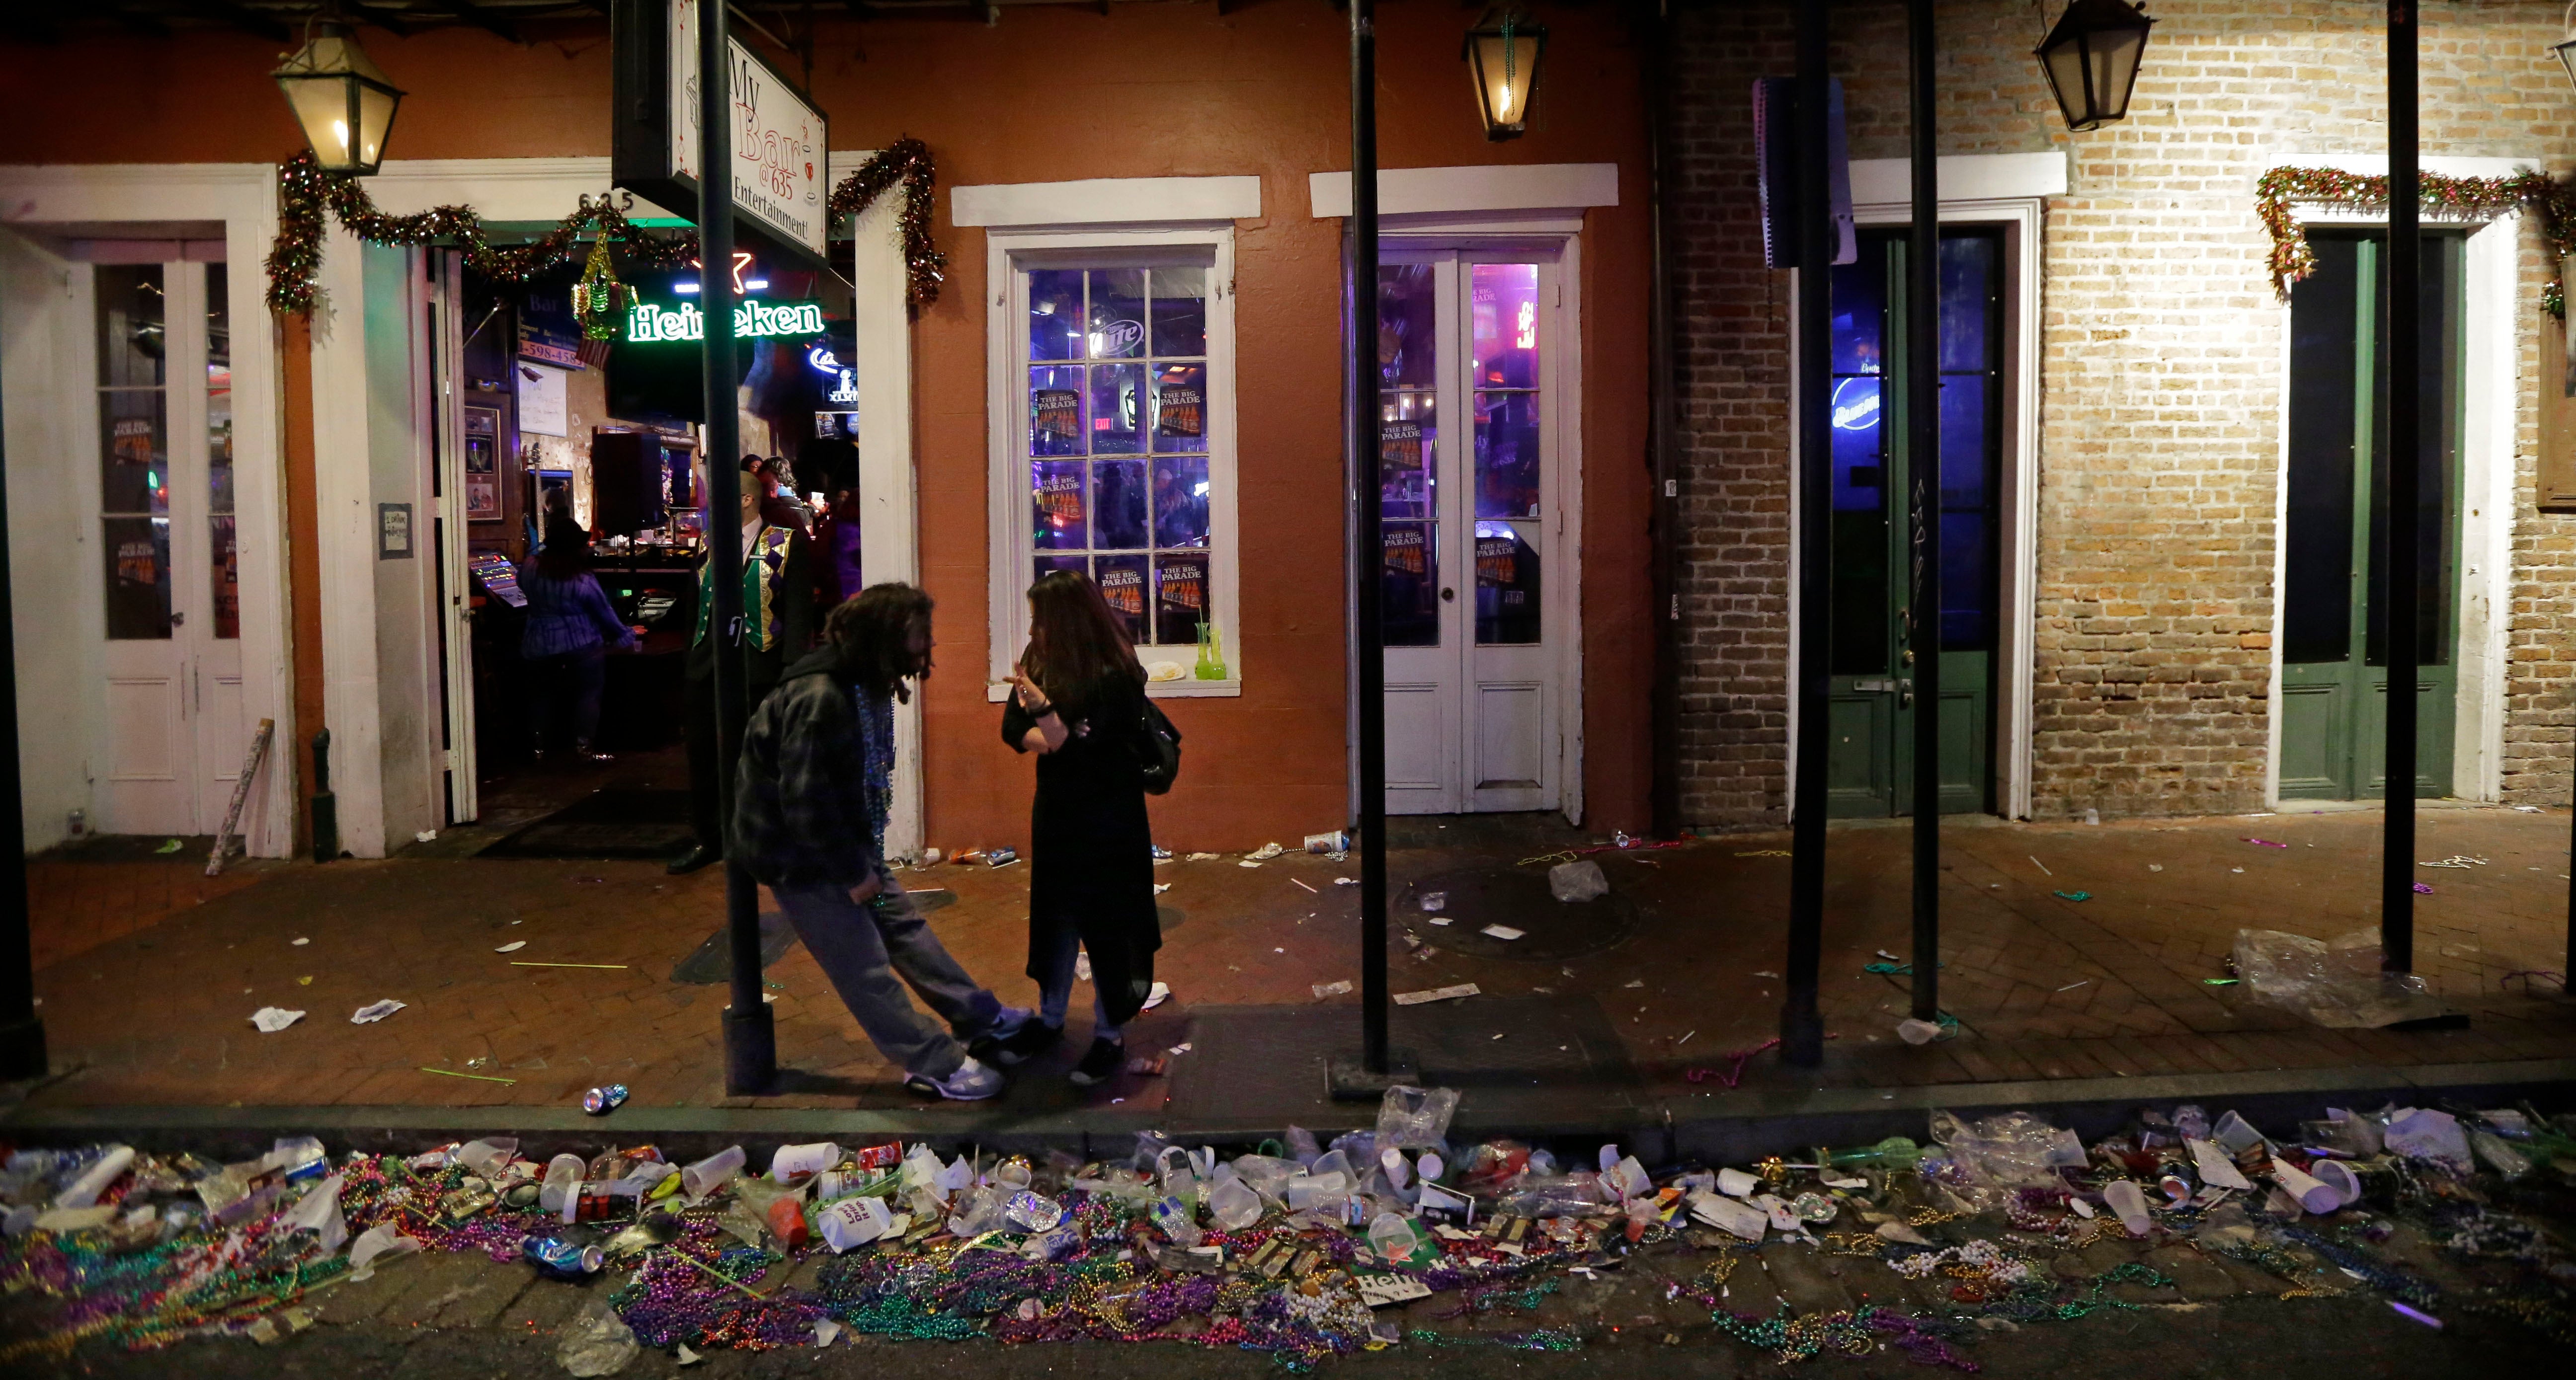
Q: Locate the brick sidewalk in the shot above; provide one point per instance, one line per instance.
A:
(2043, 987)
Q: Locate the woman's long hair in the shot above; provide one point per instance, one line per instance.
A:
(1075, 642)
(566, 552)
(873, 631)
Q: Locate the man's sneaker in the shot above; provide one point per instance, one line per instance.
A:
(1101, 1063)
(1031, 1040)
(1007, 1024)
(972, 1082)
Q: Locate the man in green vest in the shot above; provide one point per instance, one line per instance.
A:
(777, 629)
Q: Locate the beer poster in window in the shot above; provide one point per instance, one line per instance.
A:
(1180, 597)
(132, 439)
(1058, 415)
(138, 561)
(1405, 551)
(1399, 448)
(1123, 586)
(1179, 412)
(482, 464)
(1496, 566)
(1059, 493)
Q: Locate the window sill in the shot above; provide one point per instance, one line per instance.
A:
(1159, 690)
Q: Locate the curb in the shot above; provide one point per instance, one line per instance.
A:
(1715, 1128)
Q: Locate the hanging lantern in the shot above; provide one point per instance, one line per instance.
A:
(342, 99)
(2091, 60)
(1502, 54)
(2566, 51)
(599, 300)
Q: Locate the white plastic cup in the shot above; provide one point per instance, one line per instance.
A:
(563, 1179)
(853, 1222)
(2312, 1195)
(709, 1174)
(1392, 1237)
(2338, 1176)
(1398, 1172)
(797, 1161)
(84, 1190)
(1735, 1183)
(2130, 1203)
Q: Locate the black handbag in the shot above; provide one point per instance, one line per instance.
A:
(1158, 750)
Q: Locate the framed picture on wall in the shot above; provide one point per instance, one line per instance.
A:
(482, 464)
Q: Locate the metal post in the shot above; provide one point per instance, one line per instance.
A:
(22, 1034)
(1664, 802)
(1368, 546)
(1802, 1029)
(2403, 588)
(1923, 456)
(751, 1041)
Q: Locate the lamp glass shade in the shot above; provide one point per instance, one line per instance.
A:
(1504, 66)
(2091, 60)
(343, 101)
(2566, 56)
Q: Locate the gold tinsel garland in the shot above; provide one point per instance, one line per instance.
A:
(306, 195)
(2448, 198)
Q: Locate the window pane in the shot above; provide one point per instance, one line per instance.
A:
(1507, 455)
(138, 577)
(1180, 407)
(227, 578)
(1860, 517)
(1055, 314)
(1505, 316)
(2316, 614)
(1048, 565)
(1180, 597)
(1057, 486)
(1410, 604)
(1408, 322)
(1117, 313)
(1118, 507)
(219, 456)
(1122, 583)
(1860, 312)
(130, 337)
(135, 474)
(1180, 501)
(1507, 574)
(1180, 310)
(1117, 409)
(1408, 484)
(1967, 293)
(1055, 411)
(1967, 503)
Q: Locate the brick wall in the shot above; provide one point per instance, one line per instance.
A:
(2160, 376)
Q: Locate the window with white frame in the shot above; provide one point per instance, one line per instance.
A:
(1114, 444)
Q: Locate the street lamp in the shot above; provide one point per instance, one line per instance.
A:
(343, 100)
(1502, 54)
(2566, 51)
(2091, 60)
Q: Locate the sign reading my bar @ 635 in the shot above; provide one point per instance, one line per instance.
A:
(778, 135)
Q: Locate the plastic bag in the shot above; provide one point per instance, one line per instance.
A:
(2336, 983)
(1266, 1175)
(1233, 1205)
(2425, 1134)
(2499, 1154)
(1577, 881)
(1539, 1195)
(1415, 1118)
(597, 1341)
(1302, 1147)
(2010, 1151)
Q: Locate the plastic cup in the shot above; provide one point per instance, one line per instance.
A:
(2129, 1202)
(2312, 1195)
(1392, 1237)
(2338, 1176)
(709, 1174)
(796, 1161)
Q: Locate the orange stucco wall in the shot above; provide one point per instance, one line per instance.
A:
(1049, 95)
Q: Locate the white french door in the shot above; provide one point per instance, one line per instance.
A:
(175, 739)
(1469, 349)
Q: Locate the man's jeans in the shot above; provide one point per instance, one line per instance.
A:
(862, 947)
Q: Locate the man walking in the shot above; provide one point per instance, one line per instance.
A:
(810, 801)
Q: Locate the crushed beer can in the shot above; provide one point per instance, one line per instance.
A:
(562, 1258)
(602, 1101)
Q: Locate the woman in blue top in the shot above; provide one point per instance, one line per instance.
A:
(570, 626)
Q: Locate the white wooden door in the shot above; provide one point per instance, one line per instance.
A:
(175, 737)
(1467, 351)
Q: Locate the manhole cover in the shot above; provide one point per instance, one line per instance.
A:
(1515, 898)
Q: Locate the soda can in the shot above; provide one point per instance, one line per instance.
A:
(602, 1101)
(561, 1258)
(1001, 857)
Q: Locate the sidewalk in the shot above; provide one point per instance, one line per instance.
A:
(2045, 989)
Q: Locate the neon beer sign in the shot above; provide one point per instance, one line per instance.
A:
(651, 321)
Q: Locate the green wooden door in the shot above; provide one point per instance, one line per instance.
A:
(1876, 637)
(2335, 601)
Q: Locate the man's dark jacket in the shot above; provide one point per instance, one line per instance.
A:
(801, 815)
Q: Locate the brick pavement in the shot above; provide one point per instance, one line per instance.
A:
(2043, 987)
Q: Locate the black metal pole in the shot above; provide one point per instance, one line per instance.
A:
(22, 1034)
(751, 1041)
(1663, 799)
(2403, 596)
(1802, 1028)
(1367, 543)
(1923, 455)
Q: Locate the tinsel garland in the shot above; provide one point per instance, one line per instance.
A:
(306, 195)
(2445, 198)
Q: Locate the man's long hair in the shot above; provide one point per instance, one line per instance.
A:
(566, 552)
(873, 631)
(1075, 642)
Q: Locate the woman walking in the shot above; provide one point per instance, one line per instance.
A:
(565, 644)
(1078, 702)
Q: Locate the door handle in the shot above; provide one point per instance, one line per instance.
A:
(178, 618)
(1447, 594)
(1905, 694)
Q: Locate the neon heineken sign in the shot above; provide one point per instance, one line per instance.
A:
(649, 321)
